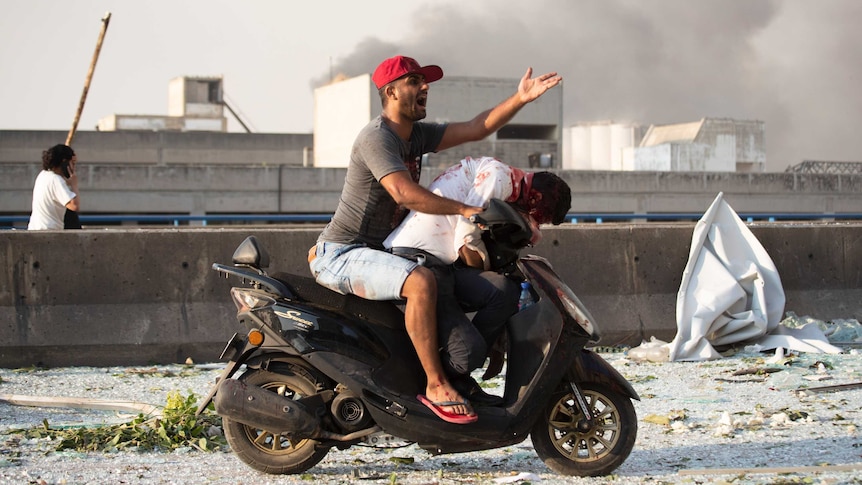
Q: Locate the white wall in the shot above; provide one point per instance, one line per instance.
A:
(161, 123)
(621, 137)
(600, 147)
(177, 96)
(656, 159)
(341, 110)
(751, 143)
(724, 156)
(576, 148)
(205, 124)
(628, 159)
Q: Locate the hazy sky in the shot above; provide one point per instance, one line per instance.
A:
(794, 64)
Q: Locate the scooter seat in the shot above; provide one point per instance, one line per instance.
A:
(306, 289)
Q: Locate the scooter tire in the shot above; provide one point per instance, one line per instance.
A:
(586, 451)
(273, 453)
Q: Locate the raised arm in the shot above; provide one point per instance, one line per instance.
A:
(72, 182)
(487, 122)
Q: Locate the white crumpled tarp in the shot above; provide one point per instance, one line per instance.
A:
(730, 292)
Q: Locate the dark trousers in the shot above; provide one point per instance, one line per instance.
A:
(494, 298)
(71, 220)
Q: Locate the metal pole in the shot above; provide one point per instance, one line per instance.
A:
(105, 20)
(236, 116)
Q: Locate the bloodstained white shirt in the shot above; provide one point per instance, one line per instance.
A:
(473, 182)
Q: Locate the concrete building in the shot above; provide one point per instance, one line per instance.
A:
(160, 148)
(342, 108)
(708, 145)
(194, 104)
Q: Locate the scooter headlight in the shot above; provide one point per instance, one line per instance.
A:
(247, 299)
(576, 309)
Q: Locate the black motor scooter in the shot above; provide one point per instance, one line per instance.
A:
(325, 370)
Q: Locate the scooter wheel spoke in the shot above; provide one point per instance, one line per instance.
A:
(601, 415)
(564, 441)
(261, 438)
(592, 454)
(276, 444)
(564, 426)
(596, 438)
(608, 427)
(563, 417)
(565, 410)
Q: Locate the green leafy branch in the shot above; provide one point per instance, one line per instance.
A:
(177, 427)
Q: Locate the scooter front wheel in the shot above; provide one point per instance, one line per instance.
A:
(571, 445)
(266, 451)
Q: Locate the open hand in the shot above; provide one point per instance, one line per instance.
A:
(531, 88)
(72, 179)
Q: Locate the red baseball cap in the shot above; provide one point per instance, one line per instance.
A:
(398, 66)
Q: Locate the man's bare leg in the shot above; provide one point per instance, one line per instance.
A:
(420, 318)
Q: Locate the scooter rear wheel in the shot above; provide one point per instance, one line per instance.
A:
(266, 451)
(569, 445)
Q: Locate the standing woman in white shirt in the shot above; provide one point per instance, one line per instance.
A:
(55, 190)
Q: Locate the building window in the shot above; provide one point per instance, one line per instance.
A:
(527, 132)
(214, 92)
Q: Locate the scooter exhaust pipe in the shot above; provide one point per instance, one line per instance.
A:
(259, 408)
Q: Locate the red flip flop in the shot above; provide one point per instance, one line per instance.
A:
(436, 407)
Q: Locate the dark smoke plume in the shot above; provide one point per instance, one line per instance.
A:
(791, 63)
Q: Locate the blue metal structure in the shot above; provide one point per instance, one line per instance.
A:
(7, 222)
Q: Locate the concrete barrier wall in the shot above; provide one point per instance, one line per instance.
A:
(132, 297)
(185, 189)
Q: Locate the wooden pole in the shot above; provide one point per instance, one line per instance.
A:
(105, 20)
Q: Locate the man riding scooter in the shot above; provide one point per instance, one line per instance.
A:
(453, 249)
(380, 185)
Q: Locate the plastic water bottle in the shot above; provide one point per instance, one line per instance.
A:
(526, 298)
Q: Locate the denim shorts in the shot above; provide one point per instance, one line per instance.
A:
(359, 270)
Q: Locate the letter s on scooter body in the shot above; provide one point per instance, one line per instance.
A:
(327, 370)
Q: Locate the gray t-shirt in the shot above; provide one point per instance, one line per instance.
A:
(366, 213)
